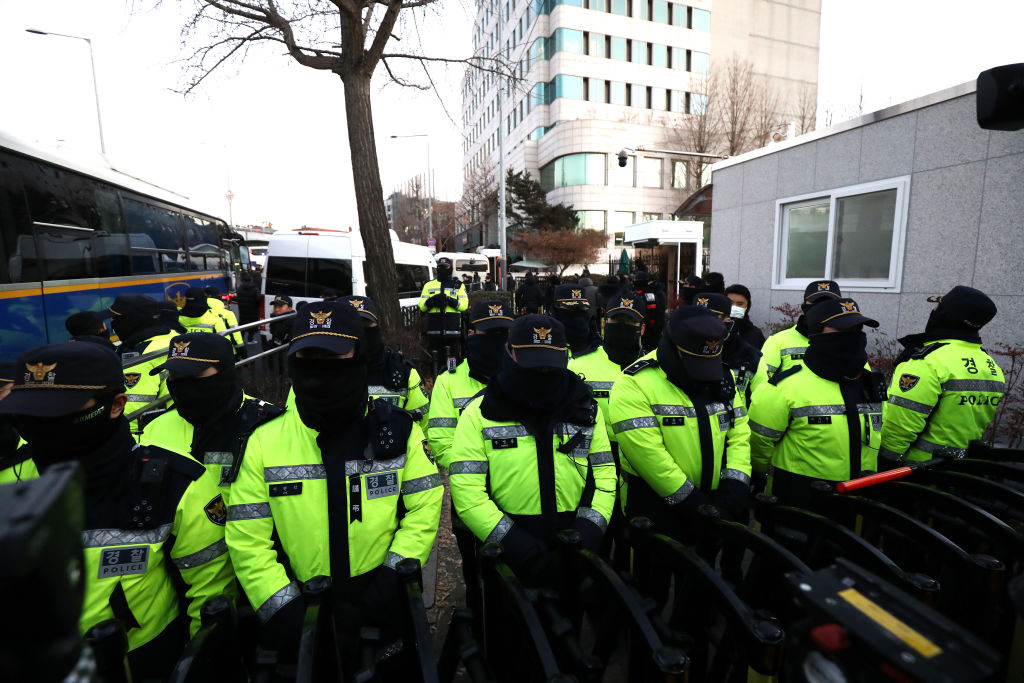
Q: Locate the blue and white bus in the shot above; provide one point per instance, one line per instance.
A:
(74, 234)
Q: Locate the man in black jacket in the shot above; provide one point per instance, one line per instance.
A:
(740, 312)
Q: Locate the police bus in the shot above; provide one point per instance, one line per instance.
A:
(75, 233)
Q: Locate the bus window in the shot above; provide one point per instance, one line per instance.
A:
(15, 264)
(155, 235)
(411, 280)
(204, 252)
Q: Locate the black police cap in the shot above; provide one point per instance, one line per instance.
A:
(698, 336)
(626, 302)
(841, 314)
(719, 304)
(818, 290)
(363, 305)
(58, 379)
(334, 326)
(570, 297)
(485, 316)
(539, 342)
(970, 306)
(191, 354)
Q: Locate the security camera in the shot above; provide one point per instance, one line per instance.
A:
(623, 157)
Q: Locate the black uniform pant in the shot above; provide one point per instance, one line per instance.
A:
(468, 544)
(155, 660)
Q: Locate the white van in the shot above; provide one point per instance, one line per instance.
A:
(466, 263)
(302, 263)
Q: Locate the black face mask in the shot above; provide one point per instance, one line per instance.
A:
(68, 437)
(540, 389)
(484, 353)
(444, 273)
(194, 309)
(373, 345)
(577, 328)
(837, 355)
(126, 327)
(201, 400)
(622, 343)
(330, 393)
(687, 294)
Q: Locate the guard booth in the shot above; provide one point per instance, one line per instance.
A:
(670, 250)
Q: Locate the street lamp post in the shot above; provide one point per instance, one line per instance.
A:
(430, 183)
(95, 87)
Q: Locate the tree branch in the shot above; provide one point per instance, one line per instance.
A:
(401, 81)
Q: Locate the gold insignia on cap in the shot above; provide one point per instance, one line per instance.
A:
(824, 287)
(320, 316)
(495, 310)
(39, 370)
(712, 344)
(626, 303)
(181, 348)
(542, 332)
(702, 301)
(356, 304)
(848, 305)
(577, 294)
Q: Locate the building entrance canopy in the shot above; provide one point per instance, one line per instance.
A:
(651, 234)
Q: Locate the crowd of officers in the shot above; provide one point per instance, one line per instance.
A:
(551, 421)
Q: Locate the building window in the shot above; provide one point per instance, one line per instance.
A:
(659, 99)
(700, 62)
(598, 5)
(617, 93)
(701, 20)
(568, 40)
(538, 95)
(639, 52)
(538, 50)
(618, 221)
(617, 50)
(573, 169)
(678, 55)
(679, 175)
(621, 176)
(854, 234)
(650, 171)
(620, 7)
(659, 55)
(659, 12)
(570, 87)
(698, 104)
(591, 220)
(596, 90)
(537, 133)
(595, 47)
(652, 216)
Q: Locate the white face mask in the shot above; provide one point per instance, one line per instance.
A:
(737, 312)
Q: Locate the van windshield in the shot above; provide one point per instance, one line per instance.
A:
(308, 276)
(480, 266)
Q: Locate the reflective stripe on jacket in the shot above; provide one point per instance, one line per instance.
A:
(659, 435)
(800, 425)
(284, 454)
(495, 474)
(600, 373)
(779, 352)
(142, 388)
(944, 399)
(449, 397)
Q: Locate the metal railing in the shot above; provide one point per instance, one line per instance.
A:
(163, 400)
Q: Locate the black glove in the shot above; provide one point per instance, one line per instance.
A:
(733, 499)
(591, 533)
(283, 630)
(452, 303)
(382, 591)
(758, 482)
(694, 500)
(436, 301)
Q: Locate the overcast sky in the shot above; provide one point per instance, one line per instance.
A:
(277, 129)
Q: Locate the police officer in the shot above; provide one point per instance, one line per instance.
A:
(211, 418)
(227, 315)
(443, 299)
(390, 376)
(682, 428)
(196, 315)
(822, 418)
(15, 455)
(147, 526)
(530, 456)
(339, 486)
(489, 322)
(137, 322)
(737, 354)
(945, 389)
(786, 347)
(88, 326)
(654, 308)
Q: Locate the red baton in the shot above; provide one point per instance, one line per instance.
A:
(872, 479)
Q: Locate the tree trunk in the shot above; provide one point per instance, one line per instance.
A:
(381, 281)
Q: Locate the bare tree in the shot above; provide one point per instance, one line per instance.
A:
(765, 118)
(806, 109)
(348, 38)
(700, 130)
(479, 202)
(734, 110)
